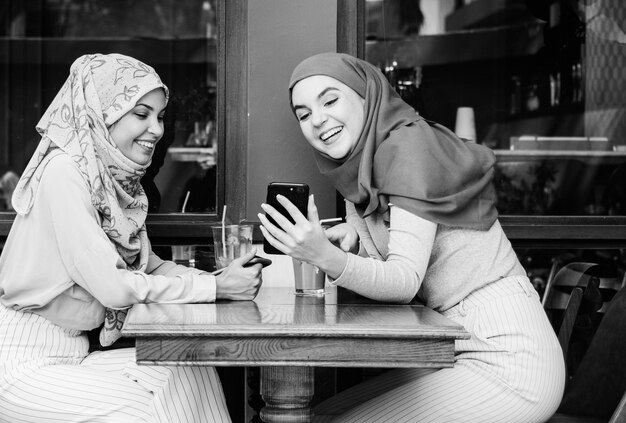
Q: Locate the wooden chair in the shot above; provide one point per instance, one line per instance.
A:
(572, 294)
(596, 386)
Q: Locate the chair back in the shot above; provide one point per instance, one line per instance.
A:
(574, 291)
(598, 386)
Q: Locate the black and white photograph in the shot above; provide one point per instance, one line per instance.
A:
(312, 211)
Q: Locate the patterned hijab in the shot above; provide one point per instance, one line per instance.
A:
(402, 159)
(98, 92)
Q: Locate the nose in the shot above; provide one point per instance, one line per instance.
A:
(156, 128)
(318, 118)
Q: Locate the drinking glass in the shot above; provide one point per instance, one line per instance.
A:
(231, 242)
(309, 280)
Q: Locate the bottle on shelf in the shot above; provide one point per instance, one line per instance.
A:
(208, 17)
(199, 136)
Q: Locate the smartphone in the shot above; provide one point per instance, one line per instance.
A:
(254, 260)
(297, 193)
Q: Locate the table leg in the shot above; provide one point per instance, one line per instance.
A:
(287, 392)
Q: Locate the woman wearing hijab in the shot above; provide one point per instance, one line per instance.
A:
(420, 221)
(78, 255)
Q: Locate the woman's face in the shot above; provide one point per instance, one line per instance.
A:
(330, 113)
(138, 131)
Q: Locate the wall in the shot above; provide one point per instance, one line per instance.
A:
(280, 34)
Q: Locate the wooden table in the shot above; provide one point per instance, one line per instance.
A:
(288, 335)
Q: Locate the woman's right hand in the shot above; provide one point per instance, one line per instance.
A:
(344, 236)
(237, 282)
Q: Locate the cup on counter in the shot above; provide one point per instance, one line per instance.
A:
(184, 254)
(465, 126)
(231, 242)
(309, 280)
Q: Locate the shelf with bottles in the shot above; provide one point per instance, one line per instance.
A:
(544, 93)
(62, 51)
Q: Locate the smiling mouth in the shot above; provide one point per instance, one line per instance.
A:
(331, 133)
(146, 144)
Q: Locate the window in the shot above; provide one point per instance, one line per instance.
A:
(39, 41)
(543, 79)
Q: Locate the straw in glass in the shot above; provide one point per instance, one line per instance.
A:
(224, 230)
(185, 202)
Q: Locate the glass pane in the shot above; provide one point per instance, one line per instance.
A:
(39, 39)
(545, 81)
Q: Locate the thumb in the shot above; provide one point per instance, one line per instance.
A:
(245, 258)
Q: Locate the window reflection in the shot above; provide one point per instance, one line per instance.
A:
(542, 78)
(41, 38)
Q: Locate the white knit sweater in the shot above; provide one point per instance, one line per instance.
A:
(408, 255)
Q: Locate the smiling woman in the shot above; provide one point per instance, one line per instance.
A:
(82, 211)
(414, 229)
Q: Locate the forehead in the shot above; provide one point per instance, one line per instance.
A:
(154, 99)
(311, 87)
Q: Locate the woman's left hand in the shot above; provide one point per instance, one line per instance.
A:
(304, 240)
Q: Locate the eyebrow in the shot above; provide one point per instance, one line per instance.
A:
(320, 95)
(149, 107)
(144, 105)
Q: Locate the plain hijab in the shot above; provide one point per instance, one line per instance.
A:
(402, 159)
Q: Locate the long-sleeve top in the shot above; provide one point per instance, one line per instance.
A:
(402, 255)
(59, 263)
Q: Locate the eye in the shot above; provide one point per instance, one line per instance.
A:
(303, 116)
(331, 102)
(141, 115)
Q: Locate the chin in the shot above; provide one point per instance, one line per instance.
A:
(142, 161)
(338, 155)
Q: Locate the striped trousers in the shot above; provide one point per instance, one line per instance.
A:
(510, 370)
(47, 376)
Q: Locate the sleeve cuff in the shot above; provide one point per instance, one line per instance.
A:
(204, 285)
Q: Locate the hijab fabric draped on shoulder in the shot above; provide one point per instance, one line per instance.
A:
(401, 158)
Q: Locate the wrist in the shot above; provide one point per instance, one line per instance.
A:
(333, 262)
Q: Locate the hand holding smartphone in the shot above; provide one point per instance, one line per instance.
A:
(297, 193)
(254, 260)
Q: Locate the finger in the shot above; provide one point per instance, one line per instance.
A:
(293, 211)
(272, 241)
(333, 235)
(312, 211)
(272, 231)
(345, 245)
(278, 217)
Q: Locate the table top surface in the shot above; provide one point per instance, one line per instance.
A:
(280, 312)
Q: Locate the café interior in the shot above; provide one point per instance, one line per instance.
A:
(543, 82)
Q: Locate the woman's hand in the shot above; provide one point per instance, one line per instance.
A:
(344, 236)
(237, 282)
(304, 240)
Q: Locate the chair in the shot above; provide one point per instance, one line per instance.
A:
(572, 294)
(596, 387)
